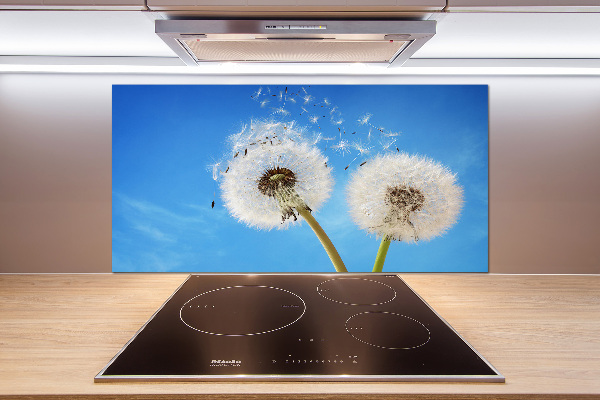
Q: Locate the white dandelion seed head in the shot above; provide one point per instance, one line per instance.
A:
(238, 139)
(406, 198)
(313, 119)
(253, 197)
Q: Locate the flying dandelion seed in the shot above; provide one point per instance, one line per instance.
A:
(326, 101)
(361, 148)
(391, 134)
(280, 111)
(313, 119)
(387, 143)
(317, 138)
(215, 170)
(308, 98)
(365, 119)
(404, 198)
(257, 94)
(342, 147)
(337, 122)
(264, 103)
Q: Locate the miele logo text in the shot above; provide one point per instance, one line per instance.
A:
(225, 363)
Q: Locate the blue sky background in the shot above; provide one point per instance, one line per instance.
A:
(165, 137)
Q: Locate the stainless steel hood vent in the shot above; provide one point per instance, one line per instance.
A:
(385, 42)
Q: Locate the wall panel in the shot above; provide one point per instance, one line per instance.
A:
(55, 167)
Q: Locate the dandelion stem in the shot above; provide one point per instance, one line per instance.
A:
(381, 253)
(324, 239)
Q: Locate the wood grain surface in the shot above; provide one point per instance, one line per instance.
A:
(542, 332)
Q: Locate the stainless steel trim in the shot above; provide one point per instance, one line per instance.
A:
(305, 378)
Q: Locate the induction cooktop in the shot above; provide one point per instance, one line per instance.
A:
(290, 327)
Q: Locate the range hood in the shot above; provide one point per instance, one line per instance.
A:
(387, 42)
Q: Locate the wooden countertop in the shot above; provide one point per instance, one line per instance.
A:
(542, 332)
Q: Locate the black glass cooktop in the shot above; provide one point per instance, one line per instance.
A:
(313, 327)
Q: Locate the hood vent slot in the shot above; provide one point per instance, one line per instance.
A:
(303, 50)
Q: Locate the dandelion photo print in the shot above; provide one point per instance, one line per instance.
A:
(300, 178)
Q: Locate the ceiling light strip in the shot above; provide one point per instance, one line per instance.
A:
(266, 69)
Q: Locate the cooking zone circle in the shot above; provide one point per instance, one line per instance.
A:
(356, 291)
(388, 330)
(242, 310)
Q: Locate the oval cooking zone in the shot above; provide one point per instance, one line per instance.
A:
(356, 291)
(388, 330)
(242, 310)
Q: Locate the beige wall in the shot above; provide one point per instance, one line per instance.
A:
(55, 168)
